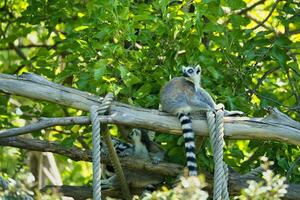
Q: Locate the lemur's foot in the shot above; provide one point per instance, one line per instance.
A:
(220, 106)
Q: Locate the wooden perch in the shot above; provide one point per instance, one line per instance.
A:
(165, 169)
(236, 181)
(276, 126)
(84, 192)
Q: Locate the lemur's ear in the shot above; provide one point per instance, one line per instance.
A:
(151, 135)
(183, 69)
(198, 69)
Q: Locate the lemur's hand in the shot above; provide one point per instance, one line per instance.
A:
(220, 106)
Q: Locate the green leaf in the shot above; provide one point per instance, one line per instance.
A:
(279, 54)
(100, 69)
(180, 141)
(214, 72)
(210, 27)
(237, 153)
(236, 4)
(238, 20)
(128, 78)
(68, 142)
(80, 28)
(282, 162)
(124, 13)
(176, 155)
(145, 17)
(143, 91)
(211, 1)
(282, 41)
(165, 138)
(83, 81)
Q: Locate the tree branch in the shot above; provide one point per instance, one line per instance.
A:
(18, 51)
(28, 46)
(33, 86)
(236, 181)
(245, 10)
(76, 154)
(268, 16)
(292, 85)
(296, 31)
(293, 165)
(260, 80)
(44, 123)
(73, 153)
(257, 21)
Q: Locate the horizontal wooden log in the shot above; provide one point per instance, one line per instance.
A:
(44, 123)
(236, 181)
(74, 153)
(273, 127)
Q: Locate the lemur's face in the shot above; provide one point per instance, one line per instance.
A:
(135, 135)
(192, 73)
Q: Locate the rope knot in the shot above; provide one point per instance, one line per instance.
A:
(96, 112)
(105, 105)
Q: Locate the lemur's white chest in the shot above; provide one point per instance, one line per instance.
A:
(141, 151)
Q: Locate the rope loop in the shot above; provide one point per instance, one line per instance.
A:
(216, 130)
(96, 153)
(96, 112)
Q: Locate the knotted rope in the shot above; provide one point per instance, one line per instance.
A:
(96, 112)
(216, 129)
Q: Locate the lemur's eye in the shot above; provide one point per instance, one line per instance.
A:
(190, 71)
(198, 71)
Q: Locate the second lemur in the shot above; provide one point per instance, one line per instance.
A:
(144, 147)
(182, 96)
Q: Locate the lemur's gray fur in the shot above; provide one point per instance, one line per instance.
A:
(182, 96)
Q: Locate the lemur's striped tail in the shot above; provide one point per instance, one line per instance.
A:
(189, 142)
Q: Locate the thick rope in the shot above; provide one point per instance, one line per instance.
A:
(96, 111)
(96, 153)
(220, 145)
(116, 165)
(216, 129)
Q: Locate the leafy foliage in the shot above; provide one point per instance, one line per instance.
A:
(272, 186)
(132, 47)
(187, 188)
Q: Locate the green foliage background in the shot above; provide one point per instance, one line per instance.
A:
(132, 47)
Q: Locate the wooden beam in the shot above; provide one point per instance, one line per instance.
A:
(275, 126)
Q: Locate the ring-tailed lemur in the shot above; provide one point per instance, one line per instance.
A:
(182, 96)
(177, 97)
(122, 148)
(142, 147)
(141, 144)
